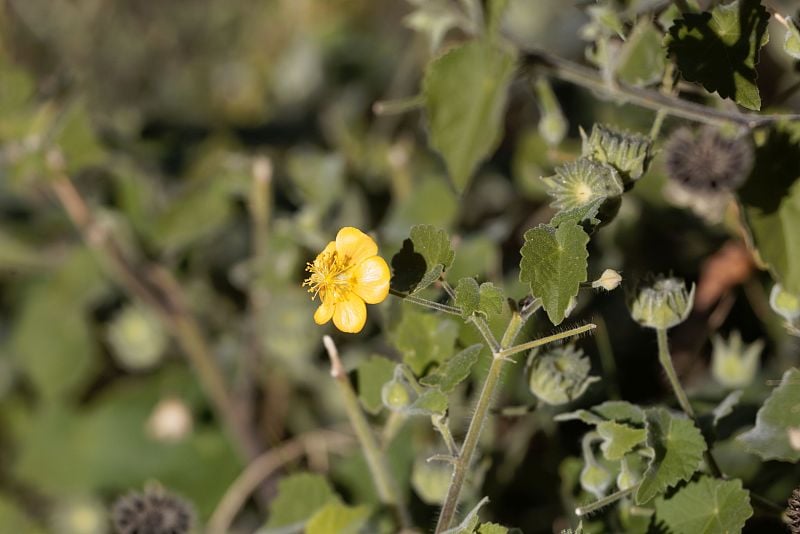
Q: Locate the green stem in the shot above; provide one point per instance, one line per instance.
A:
(485, 331)
(383, 479)
(665, 359)
(464, 460)
(578, 74)
(605, 501)
(505, 353)
(452, 310)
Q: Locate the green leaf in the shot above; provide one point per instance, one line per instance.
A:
(719, 49)
(486, 299)
(196, 213)
(791, 43)
(470, 522)
(619, 411)
(709, 505)
(492, 528)
(465, 93)
(424, 338)
(779, 415)
(299, 497)
(619, 439)
(771, 204)
(455, 370)
(433, 244)
(431, 402)
(554, 264)
(678, 447)
(373, 373)
(642, 59)
(337, 518)
(422, 260)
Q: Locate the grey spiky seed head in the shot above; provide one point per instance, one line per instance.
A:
(153, 512)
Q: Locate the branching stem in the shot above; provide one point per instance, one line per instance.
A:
(452, 310)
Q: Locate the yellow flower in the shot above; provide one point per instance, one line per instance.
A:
(347, 274)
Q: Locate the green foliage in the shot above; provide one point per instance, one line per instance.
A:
(720, 49)
(642, 60)
(771, 204)
(791, 43)
(554, 262)
(373, 373)
(708, 505)
(300, 496)
(455, 370)
(424, 339)
(487, 299)
(677, 448)
(618, 411)
(423, 259)
(771, 439)
(465, 97)
(337, 518)
(431, 402)
(619, 439)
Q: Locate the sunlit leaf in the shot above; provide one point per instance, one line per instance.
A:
(373, 373)
(642, 59)
(300, 496)
(709, 505)
(424, 338)
(554, 263)
(338, 518)
(455, 370)
(791, 43)
(619, 439)
(719, 49)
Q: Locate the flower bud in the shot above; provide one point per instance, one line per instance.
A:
(137, 338)
(664, 304)
(627, 477)
(785, 304)
(395, 395)
(609, 280)
(560, 375)
(733, 364)
(628, 153)
(582, 182)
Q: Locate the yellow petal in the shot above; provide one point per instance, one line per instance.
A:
(330, 247)
(371, 280)
(350, 315)
(324, 312)
(354, 245)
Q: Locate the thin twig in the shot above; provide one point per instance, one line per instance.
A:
(452, 310)
(572, 72)
(264, 466)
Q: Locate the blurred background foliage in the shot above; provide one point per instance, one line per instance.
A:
(163, 112)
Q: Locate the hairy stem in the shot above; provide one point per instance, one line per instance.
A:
(516, 349)
(464, 459)
(665, 359)
(605, 501)
(381, 476)
(572, 72)
(452, 310)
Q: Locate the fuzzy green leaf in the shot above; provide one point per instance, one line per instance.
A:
(779, 416)
(618, 411)
(373, 373)
(423, 259)
(678, 447)
(299, 497)
(791, 43)
(485, 299)
(455, 370)
(338, 518)
(709, 505)
(470, 522)
(554, 264)
(642, 59)
(771, 204)
(619, 439)
(719, 49)
(465, 98)
(492, 528)
(424, 339)
(431, 402)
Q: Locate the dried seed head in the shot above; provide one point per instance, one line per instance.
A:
(560, 375)
(793, 512)
(706, 160)
(153, 512)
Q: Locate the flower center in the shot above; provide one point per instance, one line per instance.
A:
(329, 277)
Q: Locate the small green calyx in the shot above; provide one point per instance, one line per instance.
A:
(560, 375)
(581, 182)
(734, 364)
(395, 395)
(666, 303)
(629, 153)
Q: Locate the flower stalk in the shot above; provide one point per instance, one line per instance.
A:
(464, 459)
(381, 476)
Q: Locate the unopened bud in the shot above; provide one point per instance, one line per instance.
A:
(609, 280)
(734, 364)
(664, 304)
(560, 375)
